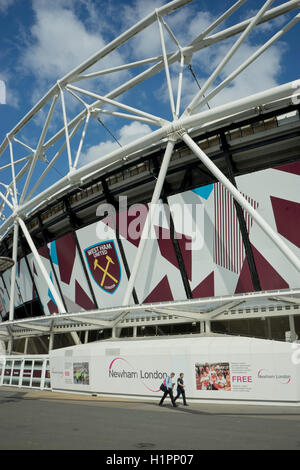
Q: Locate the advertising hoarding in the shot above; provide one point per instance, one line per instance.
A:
(215, 368)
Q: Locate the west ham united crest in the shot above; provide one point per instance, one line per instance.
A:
(104, 265)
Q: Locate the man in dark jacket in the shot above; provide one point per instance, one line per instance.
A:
(181, 389)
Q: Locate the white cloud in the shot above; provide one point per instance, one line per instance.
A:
(138, 10)
(189, 24)
(133, 131)
(263, 74)
(61, 38)
(61, 42)
(147, 43)
(259, 76)
(269, 26)
(97, 151)
(63, 35)
(185, 23)
(127, 134)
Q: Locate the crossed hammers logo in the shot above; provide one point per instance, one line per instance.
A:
(105, 270)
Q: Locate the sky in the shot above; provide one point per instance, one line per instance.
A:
(42, 40)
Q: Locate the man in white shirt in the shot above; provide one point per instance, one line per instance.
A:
(169, 384)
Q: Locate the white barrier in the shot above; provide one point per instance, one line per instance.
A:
(25, 371)
(216, 368)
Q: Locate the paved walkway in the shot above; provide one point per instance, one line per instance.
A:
(40, 420)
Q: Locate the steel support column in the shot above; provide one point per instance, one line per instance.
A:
(292, 328)
(51, 341)
(179, 257)
(46, 241)
(145, 233)
(58, 301)
(22, 243)
(149, 218)
(75, 223)
(241, 218)
(111, 200)
(13, 271)
(84, 269)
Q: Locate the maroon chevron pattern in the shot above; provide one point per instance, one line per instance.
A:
(293, 168)
(161, 293)
(287, 217)
(269, 278)
(66, 254)
(71, 276)
(206, 288)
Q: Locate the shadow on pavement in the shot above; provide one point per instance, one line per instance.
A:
(191, 410)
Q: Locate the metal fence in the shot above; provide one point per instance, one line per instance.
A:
(25, 371)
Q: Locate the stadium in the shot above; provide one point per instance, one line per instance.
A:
(189, 231)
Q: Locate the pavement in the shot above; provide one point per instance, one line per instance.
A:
(46, 420)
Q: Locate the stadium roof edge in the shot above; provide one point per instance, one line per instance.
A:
(249, 305)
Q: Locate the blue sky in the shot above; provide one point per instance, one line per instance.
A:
(43, 40)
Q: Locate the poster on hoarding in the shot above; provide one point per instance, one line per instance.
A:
(213, 376)
(81, 374)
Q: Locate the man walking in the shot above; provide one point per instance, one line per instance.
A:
(181, 389)
(169, 384)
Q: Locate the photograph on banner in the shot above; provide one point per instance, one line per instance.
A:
(81, 373)
(214, 376)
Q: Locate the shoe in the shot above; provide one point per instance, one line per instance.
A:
(185, 404)
(160, 404)
(175, 406)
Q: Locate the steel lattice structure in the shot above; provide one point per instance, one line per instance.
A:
(23, 194)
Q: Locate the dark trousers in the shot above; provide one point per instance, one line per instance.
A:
(168, 392)
(180, 391)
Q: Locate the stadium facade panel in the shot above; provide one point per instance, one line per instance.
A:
(215, 263)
